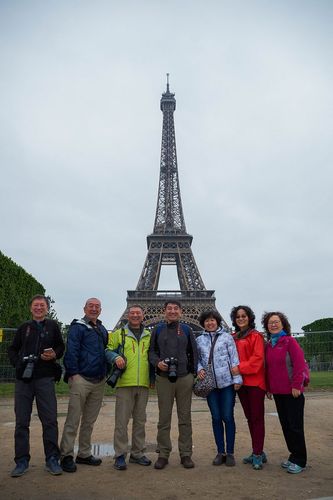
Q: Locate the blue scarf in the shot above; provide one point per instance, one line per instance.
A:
(275, 337)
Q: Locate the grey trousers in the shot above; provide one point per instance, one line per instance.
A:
(85, 400)
(130, 402)
(167, 392)
(43, 390)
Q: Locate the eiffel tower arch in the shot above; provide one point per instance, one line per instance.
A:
(170, 244)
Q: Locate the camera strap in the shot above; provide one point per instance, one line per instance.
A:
(123, 339)
(38, 339)
(100, 334)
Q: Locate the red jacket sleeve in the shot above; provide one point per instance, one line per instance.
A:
(256, 361)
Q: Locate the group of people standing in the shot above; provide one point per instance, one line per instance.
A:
(169, 358)
(246, 364)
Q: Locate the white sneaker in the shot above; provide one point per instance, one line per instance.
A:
(295, 469)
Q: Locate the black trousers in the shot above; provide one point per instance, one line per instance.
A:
(291, 415)
(43, 390)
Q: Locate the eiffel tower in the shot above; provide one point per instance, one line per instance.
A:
(170, 244)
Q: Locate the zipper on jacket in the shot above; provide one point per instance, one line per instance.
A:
(138, 374)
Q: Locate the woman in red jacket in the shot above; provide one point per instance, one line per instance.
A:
(251, 351)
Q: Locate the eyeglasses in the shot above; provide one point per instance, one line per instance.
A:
(274, 322)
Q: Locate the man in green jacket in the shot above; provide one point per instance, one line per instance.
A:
(132, 387)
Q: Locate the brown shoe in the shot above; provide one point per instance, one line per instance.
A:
(219, 459)
(161, 463)
(187, 462)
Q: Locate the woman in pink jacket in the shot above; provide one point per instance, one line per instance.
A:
(251, 351)
(285, 375)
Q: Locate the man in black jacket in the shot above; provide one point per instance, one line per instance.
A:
(173, 353)
(35, 347)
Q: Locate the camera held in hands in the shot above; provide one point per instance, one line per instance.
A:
(172, 368)
(29, 368)
(115, 374)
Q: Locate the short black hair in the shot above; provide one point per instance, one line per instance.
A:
(175, 302)
(249, 313)
(40, 297)
(210, 313)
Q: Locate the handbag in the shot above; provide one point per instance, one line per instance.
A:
(203, 387)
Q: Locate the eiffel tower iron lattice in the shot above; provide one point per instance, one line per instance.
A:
(170, 244)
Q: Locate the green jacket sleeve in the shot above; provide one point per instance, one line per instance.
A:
(111, 352)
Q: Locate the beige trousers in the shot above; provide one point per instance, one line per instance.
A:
(85, 400)
(130, 402)
(167, 392)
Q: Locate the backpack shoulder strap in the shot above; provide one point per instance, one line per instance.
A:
(159, 328)
(185, 329)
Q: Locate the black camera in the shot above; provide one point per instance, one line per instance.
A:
(115, 375)
(29, 367)
(172, 371)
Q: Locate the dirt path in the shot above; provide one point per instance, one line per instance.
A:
(175, 483)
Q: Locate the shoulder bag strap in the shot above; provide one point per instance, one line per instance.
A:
(212, 349)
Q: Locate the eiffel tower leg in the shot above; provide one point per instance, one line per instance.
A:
(151, 272)
(188, 272)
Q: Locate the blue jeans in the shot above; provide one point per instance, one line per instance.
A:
(221, 403)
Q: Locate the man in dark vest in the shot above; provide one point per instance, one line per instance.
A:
(173, 353)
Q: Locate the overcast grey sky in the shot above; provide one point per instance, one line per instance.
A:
(80, 146)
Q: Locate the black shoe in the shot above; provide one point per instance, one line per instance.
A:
(187, 462)
(52, 466)
(120, 463)
(141, 461)
(88, 460)
(230, 460)
(219, 459)
(67, 464)
(20, 468)
(161, 463)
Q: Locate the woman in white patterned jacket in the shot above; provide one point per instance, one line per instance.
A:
(221, 400)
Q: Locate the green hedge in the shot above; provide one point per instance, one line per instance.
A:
(16, 289)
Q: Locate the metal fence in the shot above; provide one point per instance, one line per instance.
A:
(317, 346)
(7, 372)
(318, 350)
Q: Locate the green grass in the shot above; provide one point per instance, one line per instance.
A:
(320, 381)
(7, 389)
